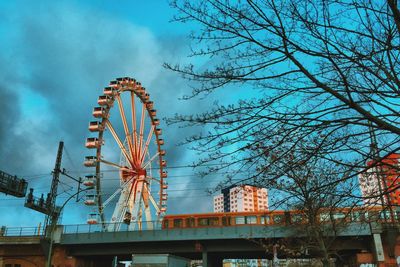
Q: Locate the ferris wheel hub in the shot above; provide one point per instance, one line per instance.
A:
(130, 174)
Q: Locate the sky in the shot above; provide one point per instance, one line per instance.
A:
(56, 58)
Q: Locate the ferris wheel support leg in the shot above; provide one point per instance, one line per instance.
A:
(146, 204)
(136, 209)
(119, 211)
(140, 220)
(149, 222)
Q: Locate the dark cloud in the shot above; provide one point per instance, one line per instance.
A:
(9, 115)
(61, 56)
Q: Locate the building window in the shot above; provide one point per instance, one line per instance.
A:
(178, 223)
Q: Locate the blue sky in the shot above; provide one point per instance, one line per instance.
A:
(56, 58)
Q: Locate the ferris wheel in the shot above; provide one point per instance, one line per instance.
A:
(128, 146)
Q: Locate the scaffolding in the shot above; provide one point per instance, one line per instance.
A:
(12, 185)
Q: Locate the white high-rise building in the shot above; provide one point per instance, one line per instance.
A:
(371, 188)
(241, 198)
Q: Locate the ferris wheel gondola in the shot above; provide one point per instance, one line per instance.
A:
(140, 203)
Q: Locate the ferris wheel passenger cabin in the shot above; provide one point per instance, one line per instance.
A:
(90, 161)
(100, 112)
(105, 100)
(127, 217)
(149, 104)
(90, 200)
(95, 126)
(110, 91)
(93, 142)
(92, 218)
(89, 181)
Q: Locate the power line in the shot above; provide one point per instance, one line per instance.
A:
(69, 158)
(36, 176)
(169, 197)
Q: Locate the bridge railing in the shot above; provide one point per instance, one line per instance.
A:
(72, 229)
(21, 231)
(108, 227)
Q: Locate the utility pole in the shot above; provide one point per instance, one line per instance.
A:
(55, 211)
(52, 217)
(51, 237)
(49, 206)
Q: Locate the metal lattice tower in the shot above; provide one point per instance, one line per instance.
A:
(54, 186)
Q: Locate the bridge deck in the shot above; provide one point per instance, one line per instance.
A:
(232, 232)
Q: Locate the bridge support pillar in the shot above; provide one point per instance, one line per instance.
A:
(212, 260)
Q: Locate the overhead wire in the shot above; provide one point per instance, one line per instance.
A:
(211, 184)
(170, 167)
(69, 158)
(36, 176)
(77, 170)
(169, 197)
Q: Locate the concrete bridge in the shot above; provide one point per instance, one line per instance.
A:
(78, 246)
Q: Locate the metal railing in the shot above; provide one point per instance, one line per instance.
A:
(108, 227)
(73, 229)
(21, 231)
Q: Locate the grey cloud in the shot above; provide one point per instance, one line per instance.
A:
(67, 55)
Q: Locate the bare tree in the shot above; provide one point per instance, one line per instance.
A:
(325, 71)
(323, 76)
(320, 207)
(321, 204)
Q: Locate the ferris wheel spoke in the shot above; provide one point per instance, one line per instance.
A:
(112, 164)
(108, 200)
(118, 140)
(139, 220)
(147, 212)
(154, 203)
(105, 203)
(125, 124)
(134, 134)
(153, 179)
(145, 195)
(142, 119)
(146, 146)
(151, 160)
